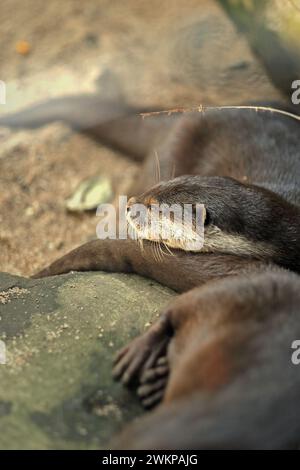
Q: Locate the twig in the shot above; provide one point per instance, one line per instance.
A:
(202, 108)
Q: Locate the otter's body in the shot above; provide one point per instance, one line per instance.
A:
(228, 349)
(219, 358)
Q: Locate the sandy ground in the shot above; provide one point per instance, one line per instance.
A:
(159, 52)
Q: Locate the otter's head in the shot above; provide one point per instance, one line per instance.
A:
(237, 218)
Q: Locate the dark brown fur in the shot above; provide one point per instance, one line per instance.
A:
(231, 383)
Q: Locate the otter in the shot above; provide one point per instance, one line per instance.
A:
(242, 164)
(219, 360)
(230, 331)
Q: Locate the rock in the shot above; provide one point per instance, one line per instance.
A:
(60, 335)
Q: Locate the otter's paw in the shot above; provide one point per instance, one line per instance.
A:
(141, 354)
(153, 382)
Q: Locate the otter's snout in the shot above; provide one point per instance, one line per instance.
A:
(130, 203)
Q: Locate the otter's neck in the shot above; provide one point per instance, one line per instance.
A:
(289, 191)
(287, 239)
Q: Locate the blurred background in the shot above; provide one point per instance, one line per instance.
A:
(163, 53)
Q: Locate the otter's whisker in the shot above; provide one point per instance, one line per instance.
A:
(169, 252)
(159, 258)
(154, 251)
(140, 242)
(163, 253)
(157, 166)
(173, 171)
(158, 252)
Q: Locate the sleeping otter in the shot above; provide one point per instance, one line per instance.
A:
(218, 358)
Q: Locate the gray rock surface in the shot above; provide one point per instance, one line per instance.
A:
(60, 335)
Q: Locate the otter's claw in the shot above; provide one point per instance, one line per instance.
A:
(153, 383)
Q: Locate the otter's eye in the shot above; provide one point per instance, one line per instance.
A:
(207, 216)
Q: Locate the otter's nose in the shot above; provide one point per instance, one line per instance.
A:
(130, 203)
